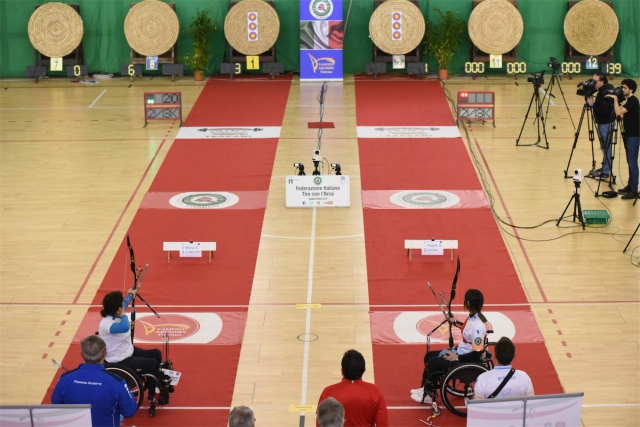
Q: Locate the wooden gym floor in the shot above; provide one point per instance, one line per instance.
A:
(75, 163)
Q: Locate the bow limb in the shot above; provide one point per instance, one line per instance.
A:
(452, 296)
(135, 284)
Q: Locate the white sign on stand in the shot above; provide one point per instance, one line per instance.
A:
(190, 250)
(532, 411)
(432, 247)
(318, 191)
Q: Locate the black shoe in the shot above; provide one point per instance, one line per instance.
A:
(624, 190)
(630, 195)
(603, 177)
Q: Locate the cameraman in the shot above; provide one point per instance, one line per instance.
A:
(605, 118)
(631, 117)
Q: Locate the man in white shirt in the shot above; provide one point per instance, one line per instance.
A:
(518, 385)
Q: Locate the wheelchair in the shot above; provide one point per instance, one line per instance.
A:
(135, 381)
(139, 382)
(456, 384)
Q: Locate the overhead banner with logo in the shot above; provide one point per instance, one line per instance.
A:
(321, 40)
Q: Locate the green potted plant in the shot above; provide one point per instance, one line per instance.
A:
(201, 29)
(443, 39)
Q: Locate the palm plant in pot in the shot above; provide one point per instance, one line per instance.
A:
(201, 29)
(442, 40)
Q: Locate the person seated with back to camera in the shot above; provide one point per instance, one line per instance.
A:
(330, 413)
(108, 394)
(242, 416)
(363, 402)
(468, 350)
(518, 385)
(115, 330)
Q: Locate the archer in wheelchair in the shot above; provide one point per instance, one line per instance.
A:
(143, 370)
(453, 371)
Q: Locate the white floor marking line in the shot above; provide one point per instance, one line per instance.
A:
(553, 104)
(393, 408)
(96, 100)
(284, 176)
(307, 238)
(305, 360)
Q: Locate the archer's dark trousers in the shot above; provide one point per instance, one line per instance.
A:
(148, 362)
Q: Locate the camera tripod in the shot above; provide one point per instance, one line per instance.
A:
(539, 118)
(555, 79)
(633, 235)
(587, 111)
(577, 207)
(609, 146)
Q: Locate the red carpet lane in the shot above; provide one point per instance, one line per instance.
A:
(208, 369)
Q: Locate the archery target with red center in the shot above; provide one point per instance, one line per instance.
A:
(252, 26)
(396, 25)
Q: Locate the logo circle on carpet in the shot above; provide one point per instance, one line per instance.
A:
(317, 180)
(413, 326)
(426, 325)
(194, 328)
(321, 9)
(424, 199)
(204, 200)
(176, 325)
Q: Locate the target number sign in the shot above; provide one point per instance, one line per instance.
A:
(592, 63)
(55, 64)
(151, 62)
(253, 62)
(495, 61)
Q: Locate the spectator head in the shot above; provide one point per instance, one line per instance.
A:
(505, 351)
(111, 303)
(330, 413)
(241, 416)
(93, 349)
(353, 365)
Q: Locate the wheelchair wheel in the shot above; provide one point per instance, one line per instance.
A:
(457, 387)
(132, 379)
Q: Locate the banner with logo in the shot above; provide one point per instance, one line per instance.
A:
(321, 40)
(318, 191)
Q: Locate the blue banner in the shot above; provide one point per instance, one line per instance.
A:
(321, 40)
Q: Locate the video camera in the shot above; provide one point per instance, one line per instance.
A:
(587, 88)
(617, 92)
(577, 175)
(537, 79)
(553, 64)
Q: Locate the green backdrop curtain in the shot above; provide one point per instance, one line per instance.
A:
(106, 49)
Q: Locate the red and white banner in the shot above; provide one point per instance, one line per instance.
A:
(412, 327)
(424, 199)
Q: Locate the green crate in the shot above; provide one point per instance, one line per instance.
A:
(596, 217)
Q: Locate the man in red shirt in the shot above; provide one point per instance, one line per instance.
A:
(364, 404)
